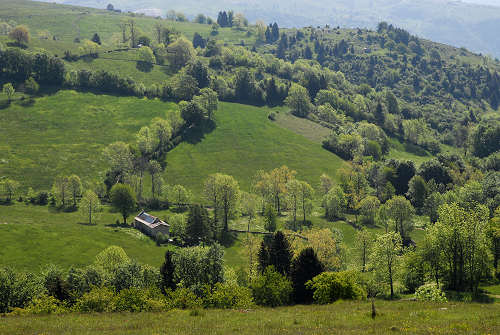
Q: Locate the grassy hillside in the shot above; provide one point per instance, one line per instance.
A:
(244, 142)
(340, 318)
(34, 236)
(65, 132)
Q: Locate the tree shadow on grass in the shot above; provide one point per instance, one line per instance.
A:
(17, 45)
(195, 134)
(144, 66)
(5, 104)
(228, 239)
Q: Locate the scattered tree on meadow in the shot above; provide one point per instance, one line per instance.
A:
(90, 206)
(180, 195)
(298, 101)
(197, 228)
(20, 34)
(9, 188)
(75, 188)
(146, 55)
(270, 218)
(123, 200)
(364, 241)
(9, 91)
(385, 258)
(401, 212)
(96, 39)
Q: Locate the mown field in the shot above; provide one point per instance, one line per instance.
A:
(400, 317)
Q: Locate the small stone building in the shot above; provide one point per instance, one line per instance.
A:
(151, 225)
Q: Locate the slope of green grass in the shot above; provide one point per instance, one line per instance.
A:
(244, 142)
(406, 317)
(65, 133)
(34, 236)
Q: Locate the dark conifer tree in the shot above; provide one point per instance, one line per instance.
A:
(96, 39)
(167, 273)
(304, 268)
(280, 254)
(197, 225)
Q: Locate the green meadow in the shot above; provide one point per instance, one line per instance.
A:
(394, 317)
(65, 133)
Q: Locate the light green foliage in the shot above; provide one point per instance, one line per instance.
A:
(299, 101)
(146, 55)
(224, 296)
(45, 304)
(385, 258)
(368, 207)
(329, 287)
(461, 236)
(98, 300)
(90, 207)
(177, 224)
(75, 188)
(17, 289)
(197, 266)
(401, 212)
(180, 195)
(111, 258)
(430, 292)
(364, 243)
(271, 289)
(9, 91)
(180, 53)
(335, 203)
(208, 100)
(9, 188)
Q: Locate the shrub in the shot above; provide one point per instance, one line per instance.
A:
(131, 300)
(272, 288)
(227, 296)
(332, 286)
(430, 292)
(45, 304)
(99, 299)
(183, 298)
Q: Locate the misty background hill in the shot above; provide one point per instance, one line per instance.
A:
(472, 24)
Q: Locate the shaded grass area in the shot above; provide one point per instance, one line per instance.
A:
(340, 318)
(34, 236)
(244, 142)
(65, 133)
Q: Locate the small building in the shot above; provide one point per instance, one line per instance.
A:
(151, 225)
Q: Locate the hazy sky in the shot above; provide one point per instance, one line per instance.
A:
(486, 2)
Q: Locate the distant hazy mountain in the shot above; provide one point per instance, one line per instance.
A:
(473, 24)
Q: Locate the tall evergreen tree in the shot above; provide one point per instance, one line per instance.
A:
(304, 268)
(280, 254)
(197, 229)
(167, 272)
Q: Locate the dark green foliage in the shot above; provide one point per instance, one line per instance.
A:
(275, 251)
(96, 39)
(434, 170)
(199, 71)
(486, 140)
(403, 173)
(305, 267)
(272, 289)
(123, 200)
(198, 41)
(197, 229)
(167, 273)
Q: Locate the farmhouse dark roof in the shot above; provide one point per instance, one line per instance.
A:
(150, 220)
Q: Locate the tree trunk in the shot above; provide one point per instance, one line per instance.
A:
(390, 279)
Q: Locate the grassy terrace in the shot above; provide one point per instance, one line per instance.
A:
(340, 318)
